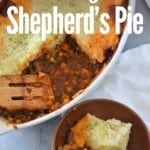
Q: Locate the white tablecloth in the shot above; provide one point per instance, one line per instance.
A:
(129, 81)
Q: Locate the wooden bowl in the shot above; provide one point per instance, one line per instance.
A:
(104, 109)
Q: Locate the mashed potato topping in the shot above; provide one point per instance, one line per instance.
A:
(16, 51)
(93, 133)
(71, 61)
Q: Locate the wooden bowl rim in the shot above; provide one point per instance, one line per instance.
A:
(98, 100)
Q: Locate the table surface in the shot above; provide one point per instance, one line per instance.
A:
(40, 137)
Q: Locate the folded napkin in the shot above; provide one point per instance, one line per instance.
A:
(129, 81)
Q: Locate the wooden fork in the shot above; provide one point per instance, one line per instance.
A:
(26, 92)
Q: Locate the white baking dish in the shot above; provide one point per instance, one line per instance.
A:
(4, 127)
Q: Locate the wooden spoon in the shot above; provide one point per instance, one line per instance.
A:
(26, 92)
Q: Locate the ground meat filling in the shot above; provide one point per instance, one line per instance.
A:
(70, 71)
